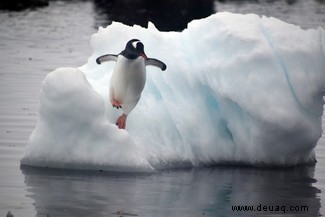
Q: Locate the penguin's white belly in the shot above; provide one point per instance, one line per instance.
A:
(127, 82)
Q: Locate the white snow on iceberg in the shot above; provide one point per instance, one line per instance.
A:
(238, 89)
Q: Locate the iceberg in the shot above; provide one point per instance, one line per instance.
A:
(238, 89)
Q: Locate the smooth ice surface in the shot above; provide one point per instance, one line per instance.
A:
(238, 89)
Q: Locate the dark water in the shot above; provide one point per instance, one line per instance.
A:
(35, 41)
(199, 192)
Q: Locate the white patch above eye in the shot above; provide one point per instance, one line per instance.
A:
(135, 43)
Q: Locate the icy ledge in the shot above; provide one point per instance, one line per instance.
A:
(239, 89)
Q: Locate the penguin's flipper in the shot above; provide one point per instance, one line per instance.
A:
(155, 62)
(107, 57)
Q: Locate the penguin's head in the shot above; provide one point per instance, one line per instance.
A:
(133, 49)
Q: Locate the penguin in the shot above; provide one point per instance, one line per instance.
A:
(129, 77)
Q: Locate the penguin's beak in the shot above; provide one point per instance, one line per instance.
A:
(144, 55)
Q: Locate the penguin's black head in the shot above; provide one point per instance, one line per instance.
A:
(133, 49)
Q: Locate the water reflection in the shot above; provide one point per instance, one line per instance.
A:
(204, 192)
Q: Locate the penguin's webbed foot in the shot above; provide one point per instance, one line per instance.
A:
(121, 121)
(116, 104)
